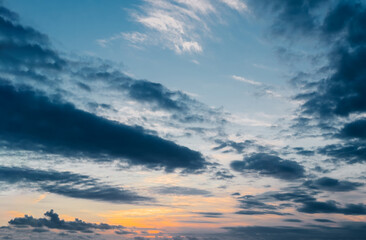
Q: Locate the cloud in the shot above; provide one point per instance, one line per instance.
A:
(270, 165)
(355, 129)
(322, 220)
(242, 79)
(185, 191)
(333, 185)
(250, 202)
(181, 25)
(252, 205)
(35, 122)
(341, 93)
(292, 220)
(332, 207)
(52, 221)
(290, 17)
(210, 214)
(333, 91)
(351, 152)
(349, 230)
(173, 22)
(28, 58)
(236, 4)
(68, 184)
(256, 212)
(238, 147)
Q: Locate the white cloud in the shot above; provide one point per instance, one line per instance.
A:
(236, 4)
(242, 79)
(135, 37)
(273, 94)
(178, 25)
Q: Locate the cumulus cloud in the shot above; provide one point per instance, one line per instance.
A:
(53, 221)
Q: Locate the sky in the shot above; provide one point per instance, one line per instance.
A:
(183, 119)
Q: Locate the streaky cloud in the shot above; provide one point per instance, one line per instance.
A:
(36, 122)
(68, 184)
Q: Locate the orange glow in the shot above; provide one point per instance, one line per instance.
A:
(15, 214)
(40, 198)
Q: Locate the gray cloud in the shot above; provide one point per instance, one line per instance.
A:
(176, 190)
(270, 165)
(68, 184)
(333, 185)
(52, 221)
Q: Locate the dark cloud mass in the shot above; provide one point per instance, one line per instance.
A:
(356, 129)
(35, 122)
(67, 184)
(350, 152)
(255, 212)
(332, 207)
(53, 221)
(351, 231)
(333, 185)
(42, 122)
(343, 91)
(270, 165)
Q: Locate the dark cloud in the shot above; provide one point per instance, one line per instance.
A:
(356, 129)
(238, 147)
(350, 152)
(351, 231)
(255, 212)
(333, 185)
(223, 174)
(250, 202)
(24, 51)
(52, 221)
(255, 205)
(343, 91)
(123, 232)
(176, 190)
(300, 198)
(68, 184)
(270, 165)
(304, 152)
(291, 17)
(292, 220)
(211, 214)
(335, 89)
(28, 54)
(323, 220)
(148, 92)
(35, 122)
(332, 207)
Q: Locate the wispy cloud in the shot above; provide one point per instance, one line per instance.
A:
(236, 4)
(243, 79)
(178, 25)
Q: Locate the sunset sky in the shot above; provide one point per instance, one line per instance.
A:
(183, 119)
